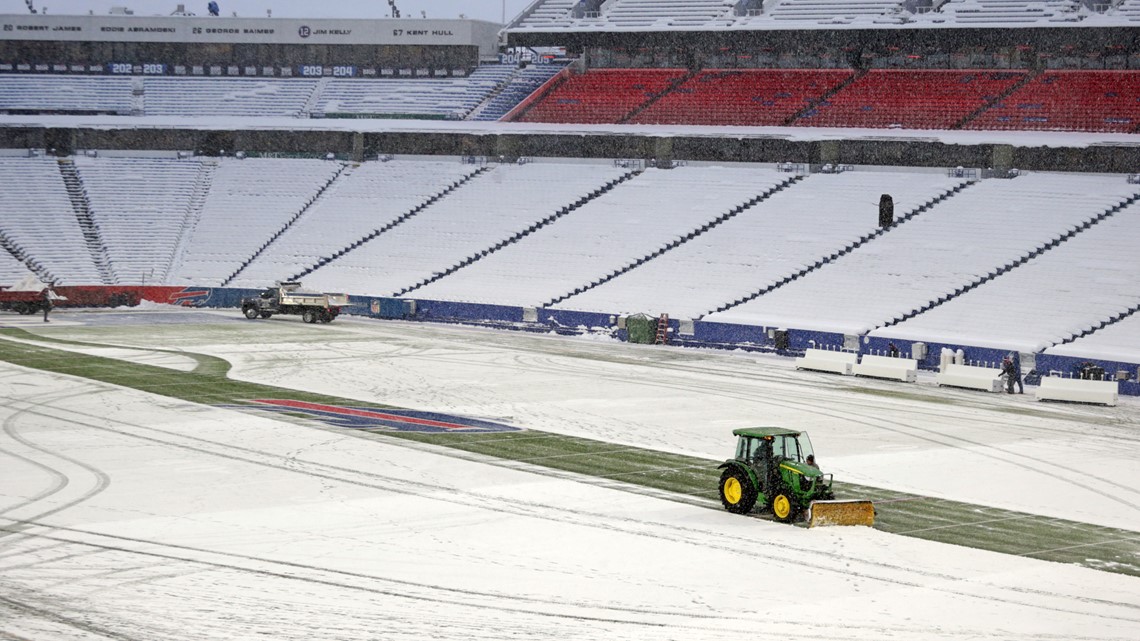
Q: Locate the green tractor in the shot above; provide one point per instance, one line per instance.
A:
(776, 466)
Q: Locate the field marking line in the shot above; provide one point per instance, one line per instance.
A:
(1081, 545)
(953, 525)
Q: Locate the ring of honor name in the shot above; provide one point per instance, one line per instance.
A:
(369, 418)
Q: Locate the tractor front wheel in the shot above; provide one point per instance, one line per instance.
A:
(736, 491)
(784, 506)
(251, 313)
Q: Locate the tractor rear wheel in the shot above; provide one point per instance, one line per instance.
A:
(784, 506)
(737, 493)
(309, 316)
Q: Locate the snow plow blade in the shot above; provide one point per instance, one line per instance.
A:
(825, 513)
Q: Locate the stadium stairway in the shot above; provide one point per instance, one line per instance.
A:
(475, 113)
(1017, 263)
(288, 223)
(730, 214)
(997, 100)
(677, 82)
(522, 234)
(202, 184)
(811, 106)
(549, 89)
(18, 252)
(488, 100)
(314, 97)
(398, 221)
(1112, 320)
(910, 215)
(82, 207)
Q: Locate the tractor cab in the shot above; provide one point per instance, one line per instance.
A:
(766, 449)
(776, 468)
(766, 443)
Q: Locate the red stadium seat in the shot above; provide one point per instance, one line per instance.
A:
(601, 95)
(749, 97)
(911, 98)
(1103, 101)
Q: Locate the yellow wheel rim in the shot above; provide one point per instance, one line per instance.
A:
(732, 490)
(781, 506)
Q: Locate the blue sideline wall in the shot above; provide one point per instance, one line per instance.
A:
(704, 334)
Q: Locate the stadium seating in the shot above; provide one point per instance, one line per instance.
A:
(1018, 12)
(249, 200)
(140, 206)
(365, 198)
(741, 97)
(65, 94)
(11, 270)
(1051, 298)
(611, 232)
(551, 13)
(664, 13)
(38, 217)
(1069, 101)
(1119, 341)
(505, 201)
(794, 230)
(1127, 9)
(226, 96)
(963, 240)
(833, 11)
(912, 99)
(521, 84)
(601, 95)
(451, 98)
(634, 15)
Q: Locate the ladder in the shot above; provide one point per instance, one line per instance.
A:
(662, 330)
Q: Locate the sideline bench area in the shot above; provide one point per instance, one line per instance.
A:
(899, 369)
(823, 360)
(969, 376)
(1075, 390)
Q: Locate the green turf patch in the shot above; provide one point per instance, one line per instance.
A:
(207, 384)
(1108, 549)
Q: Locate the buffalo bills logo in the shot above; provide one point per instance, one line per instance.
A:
(190, 297)
(386, 419)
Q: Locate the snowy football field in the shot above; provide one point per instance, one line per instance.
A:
(129, 515)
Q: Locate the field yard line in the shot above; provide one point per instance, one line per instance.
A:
(969, 524)
(1081, 545)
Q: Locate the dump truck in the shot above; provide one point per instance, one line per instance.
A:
(775, 468)
(289, 298)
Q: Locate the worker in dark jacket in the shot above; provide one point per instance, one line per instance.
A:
(1012, 375)
(47, 296)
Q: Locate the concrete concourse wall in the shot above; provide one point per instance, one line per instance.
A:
(359, 145)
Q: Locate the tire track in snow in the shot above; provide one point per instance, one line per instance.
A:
(61, 479)
(832, 562)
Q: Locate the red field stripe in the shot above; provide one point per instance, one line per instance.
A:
(334, 409)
